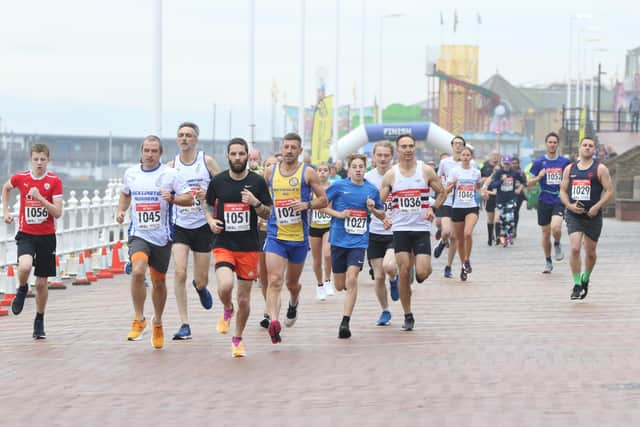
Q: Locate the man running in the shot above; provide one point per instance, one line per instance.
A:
(410, 182)
(508, 184)
(149, 189)
(191, 231)
(488, 168)
(380, 250)
(40, 203)
(239, 197)
(351, 201)
(547, 171)
(585, 189)
(291, 184)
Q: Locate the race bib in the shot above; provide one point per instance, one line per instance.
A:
(356, 222)
(554, 176)
(465, 193)
(388, 205)
(190, 210)
(35, 213)
(285, 214)
(148, 215)
(581, 189)
(409, 201)
(237, 217)
(507, 184)
(320, 218)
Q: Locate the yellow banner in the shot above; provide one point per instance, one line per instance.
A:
(322, 127)
(583, 124)
(460, 61)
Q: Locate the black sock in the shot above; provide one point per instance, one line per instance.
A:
(39, 316)
(548, 259)
(556, 243)
(345, 320)
(490, 231)
(320, 285)
(408, 316)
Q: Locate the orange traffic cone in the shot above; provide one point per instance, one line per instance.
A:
(81, 278)
(57, 282)
(104, 272)
(11, 288)
(117, 265)
(87, 266)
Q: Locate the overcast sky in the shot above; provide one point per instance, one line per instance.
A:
(84, 66)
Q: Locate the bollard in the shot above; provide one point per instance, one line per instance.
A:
(117, 266)
(104, 272)
(87, 266)
(81, 277)
(11, 288)
(57, 282)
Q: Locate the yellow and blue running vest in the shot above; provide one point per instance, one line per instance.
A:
(284, 223)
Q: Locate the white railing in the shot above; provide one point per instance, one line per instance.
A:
(87, 223)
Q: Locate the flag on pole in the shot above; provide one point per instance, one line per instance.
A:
(479, 18)
(441, 18)
(455, 20)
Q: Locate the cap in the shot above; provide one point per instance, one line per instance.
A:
(507, 159)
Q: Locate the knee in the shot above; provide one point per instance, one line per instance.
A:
(243, 302)
(275, 281)
(138, 271)
(468, 235)
(575, 250)
(423, 275)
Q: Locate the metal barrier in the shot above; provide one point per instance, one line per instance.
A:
(87, 223)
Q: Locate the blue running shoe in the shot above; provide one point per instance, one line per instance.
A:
(385, 318)
(18, 301)
(438, 250)
(127, 267)
(184, 333)
(393, 288)
(205, 297)
(447, 272)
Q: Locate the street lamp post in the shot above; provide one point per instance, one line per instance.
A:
(600, 72)
(380, 104)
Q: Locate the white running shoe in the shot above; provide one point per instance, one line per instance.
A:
(321, 295)
(329, 289)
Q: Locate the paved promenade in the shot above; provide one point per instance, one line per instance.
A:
(507, 348)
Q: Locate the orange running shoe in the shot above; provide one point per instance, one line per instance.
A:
(138, 328)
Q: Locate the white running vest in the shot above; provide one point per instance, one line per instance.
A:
(376, 226)
(444, 172)
(464, 193)
(150, 214)
(410, 200)
(195, 176)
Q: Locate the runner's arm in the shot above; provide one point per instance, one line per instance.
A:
(607, 190)
(123, 204)
(387, 183)
(212, 165)
(434, 182)
(320, 200)
(6, 190)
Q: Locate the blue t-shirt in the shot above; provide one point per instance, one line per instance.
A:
(354, 231)
(550, 183)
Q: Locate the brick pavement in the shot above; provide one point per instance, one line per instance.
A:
(508, 348)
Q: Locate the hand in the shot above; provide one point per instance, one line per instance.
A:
(299, 206)
(8, 218)
(248, 198)
(593, 211)
(120, 217)
(34, 193)
(429, 214)
(485, 194)
(346, 213)
(370, 203)
(387, 223)
(575, 209)
(166, 195)
(542, 173)
(201, 194)
(216, 225)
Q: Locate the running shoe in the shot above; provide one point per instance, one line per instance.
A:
(393, 289)
(438, 250)
(157, 336)
(329, 289)
(138, 328)
(409, 322)
(344, 331)
(577, 290)
(38, 329)
(585, 289)
(447, 272)
(548, 267)
(265, 321)
(225, 321)
(292, 315)
(438, 235)
(18, 301)
(237, 347)
(205, 296)
(385, 318)
(557, 251)
(467, 267)
(184, 333)
(127, 267)
(321, 295)
(373, 277)
(463, 274)
(274, 331)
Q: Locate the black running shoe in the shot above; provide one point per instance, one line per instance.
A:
(577, 290)
(438, 250)
(344, 331)
(292, 315)
(265, 322)
(438, 235)
(18, 302)
(585, 289)
(463, 274)
(38, 329)
(467, 266)
(409, 322)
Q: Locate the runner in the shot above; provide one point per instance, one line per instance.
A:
(589, 182)
(547, 171)
(351, 201)
(263, 278)
(291, 184)
(239, 197)
(149, 189)
(508, 184)
(488, 168)
(190, 230)
(40, 202)
(410, 183)
(319, 236)
(380, 250)
(464, 181)
(515, 163)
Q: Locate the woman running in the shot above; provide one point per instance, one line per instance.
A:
(319, 237)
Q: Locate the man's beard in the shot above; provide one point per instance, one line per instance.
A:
(237, 168)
